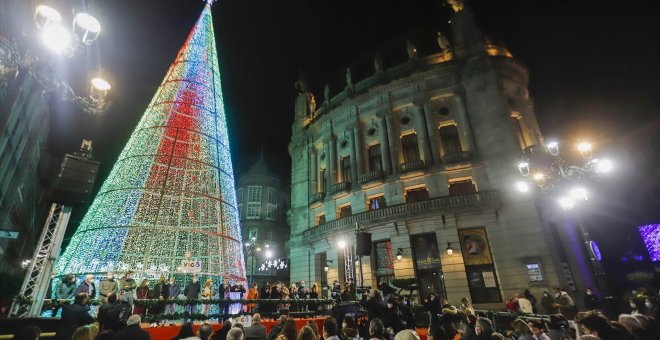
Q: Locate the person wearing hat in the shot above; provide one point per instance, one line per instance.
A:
(192, 293)
(207, 294)
(127, 287)
(133, 330)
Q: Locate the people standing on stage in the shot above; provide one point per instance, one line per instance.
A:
(172, 294)
(227, 296)
(106, 286)
(192, 293)
(141, 294)
(314, 294)
(207, 294)
(159, 292)
(65, 290)
(253, 294)
(127, 287)
(88, 287)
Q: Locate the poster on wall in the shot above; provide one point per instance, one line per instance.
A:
(474, 246)
(489, 280)
(425, 247)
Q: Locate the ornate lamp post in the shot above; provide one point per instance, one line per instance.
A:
(545, 170)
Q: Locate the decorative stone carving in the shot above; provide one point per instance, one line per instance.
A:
(443, 43)
(456, 5)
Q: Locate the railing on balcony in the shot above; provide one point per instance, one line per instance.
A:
(457, 157)
(317, 197)
(339, 187)
(444, 203)
(372, 177)
(415, 165)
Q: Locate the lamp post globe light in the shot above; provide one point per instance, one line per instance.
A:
(53, 40)
(544, 170)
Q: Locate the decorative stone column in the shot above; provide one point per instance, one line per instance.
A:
(393, 143)
(384, 146)
(313, 159)
(433, 134)
(422, 132)
(466, 136)
(354, 164)
(328, 170)
(332, 143)
(359, 151)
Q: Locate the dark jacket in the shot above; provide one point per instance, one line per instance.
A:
(591, 302)
(73, 316)
(433, 306)
(255, 332)
(65, 290)
(192, 290)
(392, 318)
(116, 316)
(275, 331)
(160, 289)
(132, 332)
(375, 307)
(172, 291)
(84, 288)
(221, 334)
(407, 316)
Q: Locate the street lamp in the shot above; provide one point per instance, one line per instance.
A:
(21, 55)
(252, 248)
(399, 254)
(450, 250)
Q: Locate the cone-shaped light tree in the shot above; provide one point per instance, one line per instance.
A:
(170, 197)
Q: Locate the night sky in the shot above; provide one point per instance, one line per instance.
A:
(594, 65)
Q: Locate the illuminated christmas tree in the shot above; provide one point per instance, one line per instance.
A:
(170, 197)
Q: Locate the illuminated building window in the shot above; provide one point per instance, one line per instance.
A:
(461, 186)
(271, 206)
(416, 195)
(320, 219)
(345, 211)
(451, 143)
(254, 203)
(534, 273)
(410, 148)
(375, 159)
(376, 202)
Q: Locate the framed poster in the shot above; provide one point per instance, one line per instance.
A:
(425, 248)
(474, 245)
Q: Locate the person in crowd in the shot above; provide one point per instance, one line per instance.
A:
(88, 287)
(314, 293)
(466, 306)
(159, 292)
(275, 331)
(253, 294)
(264, 293)
(377, 329)
(142, 293)
(207, 294)
(386, 289)
(275, 291)
(227, 296)
(651, 309)
(432, 304)
(256, 331)
(65, 290)
(293, 291)
(450, 318)
(336, 290)
(634, 326)
(289, 331)
(470, 330)
(407, 316)
(537, 330)
(303, 291)
(546, 302)
(221, 334)
(192, 294)
(127, 287)
(330, 329)
(483, 329)
(591, 301)
(564, 303)
(133, 331)
(374, 304)
(349, 328)
(621, 332)
(185, 332)
(521, 331)
(117, 314)
(312, 325)
(306, 333)
(595, 323)
(204, 331)
(88, 332)
(524, 305)
(102, 314)
(392, 317)
(235, 334)
(74, 316)
(511, 305)
(406, 334)
(634, 307)
(172, 294)
(28, 332)
(532, 299)
(106, 286)
(436, 331)
(558, 327)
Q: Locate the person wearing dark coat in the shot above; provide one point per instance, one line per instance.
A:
(547, 302)
(88, 287)
(73, 316)
(104, 311)
(133, 331)
(192, 293)
(407, 315)
(591, 301)
(432, 304)
(374, 305)
(257, 331)
(65, 290)
(172, 294)
(532, 299)
(221, 334)
(392, 317)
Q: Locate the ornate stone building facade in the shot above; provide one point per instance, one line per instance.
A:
(263, 201)
(423, 156)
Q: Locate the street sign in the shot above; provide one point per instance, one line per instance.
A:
(191, 266)
(11, 234)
